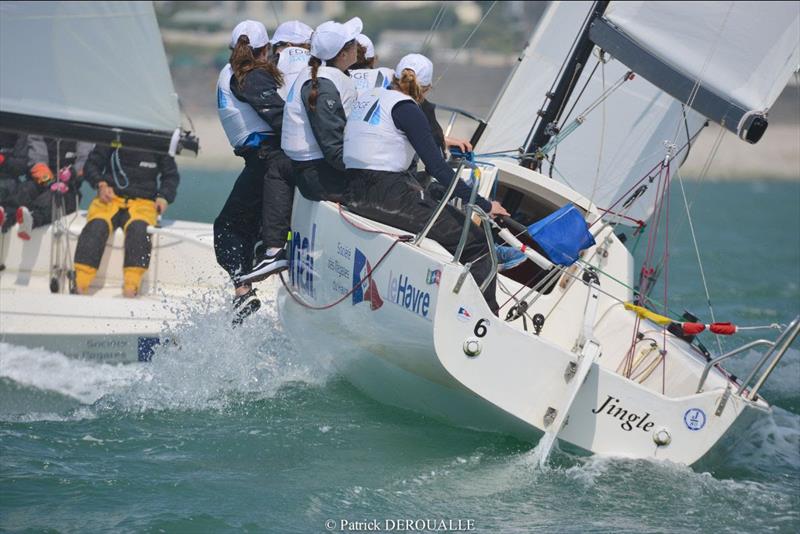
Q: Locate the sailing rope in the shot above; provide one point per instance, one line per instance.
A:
(398, 238)
(696, 86)
(463, 46)
(602, 133)
(437, 21)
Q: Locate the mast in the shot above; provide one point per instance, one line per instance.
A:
(569, 76)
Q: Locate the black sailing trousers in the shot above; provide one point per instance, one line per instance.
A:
(258, 207)
(398, 200)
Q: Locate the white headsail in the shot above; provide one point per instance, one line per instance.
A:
(94, 71)
(639, 123)
(620, 141)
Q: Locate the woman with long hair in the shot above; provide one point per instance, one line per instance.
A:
(378, 151)
(251, 112)
(317, 107)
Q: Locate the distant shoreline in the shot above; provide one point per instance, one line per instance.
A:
(776, 157)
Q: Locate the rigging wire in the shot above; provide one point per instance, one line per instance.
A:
(602, 134)
(699, 77)
(531, 132)
(463, 46)
(437, 21)
(697, 253)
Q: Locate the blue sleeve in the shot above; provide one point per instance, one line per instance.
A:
(409, 118)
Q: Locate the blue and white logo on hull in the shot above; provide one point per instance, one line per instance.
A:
(694, 419)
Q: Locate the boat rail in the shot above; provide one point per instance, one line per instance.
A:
(454, 113)
(470, 210)
(776, 351)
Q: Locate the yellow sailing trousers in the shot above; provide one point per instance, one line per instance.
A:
(119, 212)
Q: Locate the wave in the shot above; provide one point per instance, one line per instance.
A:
(209, 365)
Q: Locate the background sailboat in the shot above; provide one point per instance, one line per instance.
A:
(97, 72)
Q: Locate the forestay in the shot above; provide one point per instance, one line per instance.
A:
(79, 69)
(620, 141)
(728, 60)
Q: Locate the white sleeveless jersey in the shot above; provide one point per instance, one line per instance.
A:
(291, 61)
(371, 140)
(368, 79)
(297, 138)
(238, 118)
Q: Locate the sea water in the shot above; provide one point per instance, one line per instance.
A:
(237, 431)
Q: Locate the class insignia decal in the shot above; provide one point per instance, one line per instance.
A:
(694, 419)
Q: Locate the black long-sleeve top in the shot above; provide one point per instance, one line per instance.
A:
(327, 121)
(149, 175)
(260, 89)
(409, 118)
(14, 148)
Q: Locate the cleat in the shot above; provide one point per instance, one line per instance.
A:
(25, 223)
(265, 266)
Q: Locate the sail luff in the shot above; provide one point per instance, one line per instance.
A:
(644, 122)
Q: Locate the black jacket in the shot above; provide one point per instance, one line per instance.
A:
(14, 148)
(260, 90)
(149, 175)
(327, 121)
(429, 109)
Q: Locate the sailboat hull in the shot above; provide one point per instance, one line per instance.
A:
(407, 337)
(103, 325)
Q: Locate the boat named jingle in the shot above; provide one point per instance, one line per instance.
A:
(627, 418)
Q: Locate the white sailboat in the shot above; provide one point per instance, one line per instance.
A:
(575, 353)
(100, 75)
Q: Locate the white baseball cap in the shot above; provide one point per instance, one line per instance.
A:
(366, 42)
(255, 32)
(421, 66)
(330, 37)
(292, 31)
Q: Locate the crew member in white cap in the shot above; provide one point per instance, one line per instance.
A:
(317, 107)
(365, 74)
(290, 44)
(384, 132)
(251, 112)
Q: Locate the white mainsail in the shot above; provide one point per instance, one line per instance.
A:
(620, 141)
(80, 69)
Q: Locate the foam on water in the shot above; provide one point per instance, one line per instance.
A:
(83, 381)
(208, 366)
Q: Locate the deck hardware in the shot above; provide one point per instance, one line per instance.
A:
(538, 323)
(461, 277)
(723, 400)
(550, 416)
(472, 347)
(590, 276)
(570, 371)
(662, 437)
